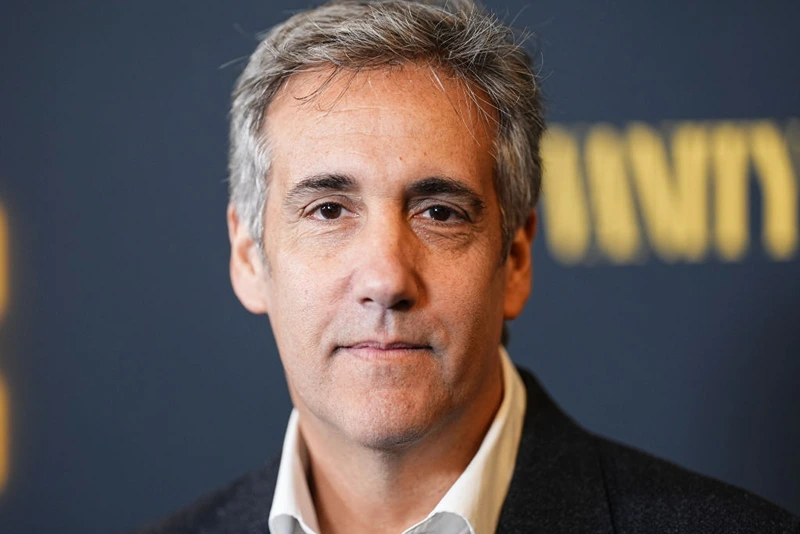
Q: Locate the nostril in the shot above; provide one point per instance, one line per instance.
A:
(402, 305)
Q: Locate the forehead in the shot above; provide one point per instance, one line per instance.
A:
(410, 115)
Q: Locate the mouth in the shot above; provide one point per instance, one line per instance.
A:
(379, 350)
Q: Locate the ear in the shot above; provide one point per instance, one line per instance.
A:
(519, 269)
(247, 266)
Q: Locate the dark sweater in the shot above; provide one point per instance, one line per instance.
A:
(566, 480)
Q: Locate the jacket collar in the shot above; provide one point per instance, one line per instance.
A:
(558, 483)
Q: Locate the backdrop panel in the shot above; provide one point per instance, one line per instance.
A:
(665, 305)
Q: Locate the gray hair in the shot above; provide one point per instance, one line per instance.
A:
(457, 37)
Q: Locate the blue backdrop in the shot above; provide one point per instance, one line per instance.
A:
(665, 313)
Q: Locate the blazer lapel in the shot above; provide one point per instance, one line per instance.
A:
(558, 483)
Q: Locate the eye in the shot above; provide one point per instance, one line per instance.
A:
(441, 213)
(329, 211)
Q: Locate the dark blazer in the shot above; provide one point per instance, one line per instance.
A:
(566, 480)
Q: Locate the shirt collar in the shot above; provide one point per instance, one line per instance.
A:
(292, 501)
(471, 505)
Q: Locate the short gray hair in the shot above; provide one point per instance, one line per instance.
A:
(458, 37)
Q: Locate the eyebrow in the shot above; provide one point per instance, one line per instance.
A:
(317, 183)
(431, 186)
(444, 186)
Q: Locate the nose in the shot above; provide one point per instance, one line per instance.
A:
(386, 274)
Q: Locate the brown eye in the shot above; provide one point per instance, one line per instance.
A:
(330, 211)
(440, 213)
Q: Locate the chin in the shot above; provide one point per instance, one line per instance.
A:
(390, 440)
(389, 423)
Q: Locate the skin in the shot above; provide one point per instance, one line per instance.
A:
(384, 285)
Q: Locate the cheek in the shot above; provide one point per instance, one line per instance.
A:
(306, 289)
(471, 304)
(304, 310)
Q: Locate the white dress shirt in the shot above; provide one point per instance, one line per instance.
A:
(471, 505)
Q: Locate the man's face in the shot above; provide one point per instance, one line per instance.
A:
(384, 281)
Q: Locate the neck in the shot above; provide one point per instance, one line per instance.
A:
(360, 489)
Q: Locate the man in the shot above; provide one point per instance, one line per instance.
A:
(384, 173)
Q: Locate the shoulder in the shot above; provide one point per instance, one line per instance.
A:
(241, 506)
(591, 484)
(647, 494)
